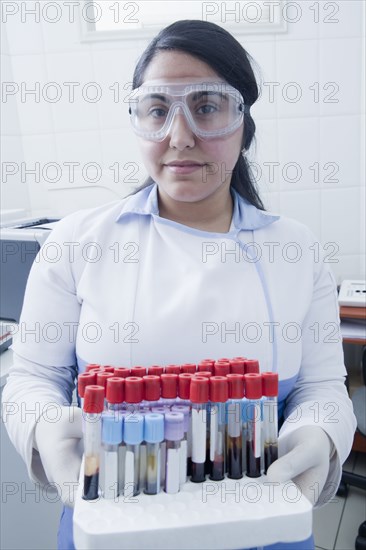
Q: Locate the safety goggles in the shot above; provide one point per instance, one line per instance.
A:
(211, 109)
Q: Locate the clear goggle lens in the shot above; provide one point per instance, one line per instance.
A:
(211, 109)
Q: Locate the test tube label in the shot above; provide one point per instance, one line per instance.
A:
(129, 473)
(199, 435)
(172, 471)
(214, 427)
(183, 462)
(257, 429)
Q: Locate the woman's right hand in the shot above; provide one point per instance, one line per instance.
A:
(59, 440)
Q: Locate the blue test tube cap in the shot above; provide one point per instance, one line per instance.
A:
(134, 429)
(154, 428)
(112, 428)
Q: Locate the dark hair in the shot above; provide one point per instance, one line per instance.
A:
(221, 51)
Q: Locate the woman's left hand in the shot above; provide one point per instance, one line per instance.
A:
(304, 459)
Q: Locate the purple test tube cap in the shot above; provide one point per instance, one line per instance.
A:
(174, 426)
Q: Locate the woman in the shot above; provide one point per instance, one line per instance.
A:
(190, 266)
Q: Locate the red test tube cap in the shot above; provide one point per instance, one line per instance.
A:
(204, 366)
(236, 385)
(121, 372)
(184, 384)
(169, 383)
(219, 389)
(199, 390)
(138, 371)
(94, 399)
(253, 385)
(108, 368)
(134, 389)
(236, 366)
(222, 368)
(152, 387)
(251, 366)
(92, 366)
(86, 379)
(102, 378)
(172, 369)
(204, 373)
(188, 367)
(270, 384)
(155, 370)
(115, 390)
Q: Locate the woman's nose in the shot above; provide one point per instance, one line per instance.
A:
(180, 133)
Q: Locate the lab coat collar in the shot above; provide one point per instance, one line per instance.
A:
(245, 215)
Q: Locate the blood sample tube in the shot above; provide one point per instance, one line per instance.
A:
(122, 372)
(222, 368)
(154, 436)
(85, 379)
(183, 458)
(174, 430)
(112, 432)
(172, 369)
(155, 370)
(270, 419)
(253, 392)
(199, 393)
(134, 393)
(188, 368)
(169, 383)
(151, 390)
(162, 410)
(115, 393)
(133, 437)
(138, 371)
(218, 398)
(251, 366)
(93, 407)
(234, 426)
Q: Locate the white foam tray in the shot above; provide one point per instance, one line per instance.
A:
(230, 514)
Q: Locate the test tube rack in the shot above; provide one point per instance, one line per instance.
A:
(229, 514)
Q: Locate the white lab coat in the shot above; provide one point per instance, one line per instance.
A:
(119, 285)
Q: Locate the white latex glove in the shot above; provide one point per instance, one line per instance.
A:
(304, 459)
(60, 445)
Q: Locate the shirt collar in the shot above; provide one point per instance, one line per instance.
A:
(245, 215)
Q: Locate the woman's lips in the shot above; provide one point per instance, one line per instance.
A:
(184, 167)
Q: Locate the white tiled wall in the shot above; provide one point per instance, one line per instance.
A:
(312, 143)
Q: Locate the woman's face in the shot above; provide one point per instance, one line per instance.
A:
(212, 161)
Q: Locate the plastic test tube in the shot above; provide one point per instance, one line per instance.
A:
(93, 407)
(133, 437)
(112, 431)
(174, 430)
(234, 426)
(270, 419)
(184, 383)
(183, 459)
(85, 379)
(199, 392)
(153, 435)
(218, 398)
(253, 392)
